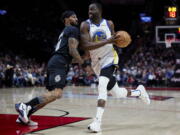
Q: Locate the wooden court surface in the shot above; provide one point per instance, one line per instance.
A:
(121, 117)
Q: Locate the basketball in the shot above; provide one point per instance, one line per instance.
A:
(124, 39)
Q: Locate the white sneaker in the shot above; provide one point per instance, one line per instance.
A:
(30, 123)
(144, 95)
(23, 111)
(95, 126)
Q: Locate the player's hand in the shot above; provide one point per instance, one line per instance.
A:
(113, 38)
(80, 61)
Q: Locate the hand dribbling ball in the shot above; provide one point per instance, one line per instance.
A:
(124, 40)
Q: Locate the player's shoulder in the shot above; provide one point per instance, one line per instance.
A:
(85, 24)
(72, 28)
(110, 22)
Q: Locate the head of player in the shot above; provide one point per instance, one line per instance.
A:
(69, 18)
(95, 11)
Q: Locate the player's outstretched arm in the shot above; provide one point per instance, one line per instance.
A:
(86, 42)
(73, 45)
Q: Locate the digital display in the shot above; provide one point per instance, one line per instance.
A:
(3, 12)
(171, 12)
(179, 30)
(145, 18)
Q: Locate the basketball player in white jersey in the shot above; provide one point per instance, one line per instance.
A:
(98, 36)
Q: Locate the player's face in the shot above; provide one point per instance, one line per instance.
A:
(93, 11)
(73, 20)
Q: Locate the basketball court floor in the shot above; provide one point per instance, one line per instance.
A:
(72, 114)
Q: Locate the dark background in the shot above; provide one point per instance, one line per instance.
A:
(31, 27)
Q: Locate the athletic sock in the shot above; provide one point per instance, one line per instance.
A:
(31, 112)
(99, 114)
(135, 93)
(33, 102)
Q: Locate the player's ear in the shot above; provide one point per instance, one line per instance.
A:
(65, 20)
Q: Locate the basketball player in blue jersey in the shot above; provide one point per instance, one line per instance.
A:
(57, 69)
(97, 36)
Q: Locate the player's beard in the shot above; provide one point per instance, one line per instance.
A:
(74, 23)
(94, 17)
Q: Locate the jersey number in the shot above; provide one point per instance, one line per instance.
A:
(59, 41)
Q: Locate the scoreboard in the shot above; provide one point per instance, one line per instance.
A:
(171, 14)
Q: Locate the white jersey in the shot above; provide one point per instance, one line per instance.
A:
(106, 55)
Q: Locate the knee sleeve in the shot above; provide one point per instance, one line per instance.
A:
(111, 83)
(119, 92)
(102, 87)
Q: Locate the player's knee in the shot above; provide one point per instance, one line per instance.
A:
(102, 87)
(57, 93)
(119, 92)
(58, 96)
(101, 103)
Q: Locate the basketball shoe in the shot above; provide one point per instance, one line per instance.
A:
(30, 122)
(23, 111)
(95, 126)
(144, 95)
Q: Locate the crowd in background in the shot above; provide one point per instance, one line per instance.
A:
(20, 72)
(151, 65)
(17, 71)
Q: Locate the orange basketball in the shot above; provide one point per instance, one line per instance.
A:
(124, 39)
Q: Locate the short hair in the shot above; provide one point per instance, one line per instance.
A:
(67, 14)
(98, 5)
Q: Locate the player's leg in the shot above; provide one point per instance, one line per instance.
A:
(95, 126)
(55, 84)
(118, 92)
(27, 109)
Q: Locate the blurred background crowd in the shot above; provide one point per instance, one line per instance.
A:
(150, 65)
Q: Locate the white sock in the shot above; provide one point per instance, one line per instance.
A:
(135, 93)
(99, 114)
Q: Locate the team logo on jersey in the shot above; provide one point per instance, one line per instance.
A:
(57, 78)
(99, 35)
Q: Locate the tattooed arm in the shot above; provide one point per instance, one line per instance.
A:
(73, 45)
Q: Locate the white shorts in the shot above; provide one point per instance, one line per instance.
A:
(97, 65)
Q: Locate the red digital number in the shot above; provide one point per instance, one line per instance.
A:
(172, 14)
